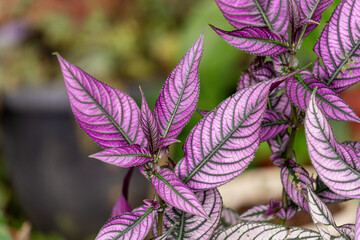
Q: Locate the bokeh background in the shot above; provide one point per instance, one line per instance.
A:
(49, 188)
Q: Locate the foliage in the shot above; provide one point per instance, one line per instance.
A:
(275, 96)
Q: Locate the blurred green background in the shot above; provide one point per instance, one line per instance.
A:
(125, 44)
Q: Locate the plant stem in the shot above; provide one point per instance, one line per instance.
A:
(160, 215)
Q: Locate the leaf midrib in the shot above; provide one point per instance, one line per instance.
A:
(203, 162)
(306, 86)
(100, 107)
(181, 94)
(139, 220)
(173, 189)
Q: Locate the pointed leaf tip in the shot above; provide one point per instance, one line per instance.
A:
(179, 95)
(258, 41)
(107, 115)
(336, 164)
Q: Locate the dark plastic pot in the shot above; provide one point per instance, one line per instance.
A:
(59, 187)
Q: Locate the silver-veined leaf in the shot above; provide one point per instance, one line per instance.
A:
(300, 87)
(261, 231)
(134, 225)
(322, 217)
(179, 95)
(272, 125)
(110, 117)
(338, 46)
(259, 41)
(175, 193)
(336, 164)
(257, 13)
(128, 156)
(192, 226)
(222, 144)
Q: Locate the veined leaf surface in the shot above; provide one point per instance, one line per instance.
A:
(108, 116)
(134, 225)
(149, 124)
(192, 226)
(321, 216)
(261, 231)
(294, 179)
(256, 74)
(179, 95)
(300, 87)
(335, 163)
(175, 193)
(222, 144)
(259, 41)
(128, 156)
(312, 9)
(257, 13)
(338, 46)
(272, 125)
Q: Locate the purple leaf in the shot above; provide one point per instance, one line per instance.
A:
(122, 204)
(294, 179)
(294, 19)
(357, 224)
(278, 143)
(179, 95)
(335, 163)
(256, 214)
(272, 125)
(255, 74)
(222, 144)
(321, 216)
(108, 116)
(134, 225)
(175, 193)
(279, 102)
(261, 231)
(259, 41)
(193, 226)
(319, 71)
(300, 87)
(129, 156)
(165, 142)
(148, 123)
(258, 13)
(338, 46)
(312, 10)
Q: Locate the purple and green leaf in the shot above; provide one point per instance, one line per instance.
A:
(272, 125)
(357, 224)
(149, 124)
(259, 41)
(261, 231)
(294, 179)
(110, 117)
(256, 73)
(300, 87)
(175, 193)
(336, 164)
(256, 13)
(322, 216)
(134, 225)
(222, 144)
(179, 95)
(338, 46)
(129, 156)
(192, 226)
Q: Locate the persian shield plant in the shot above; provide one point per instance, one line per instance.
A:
(274, 97)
